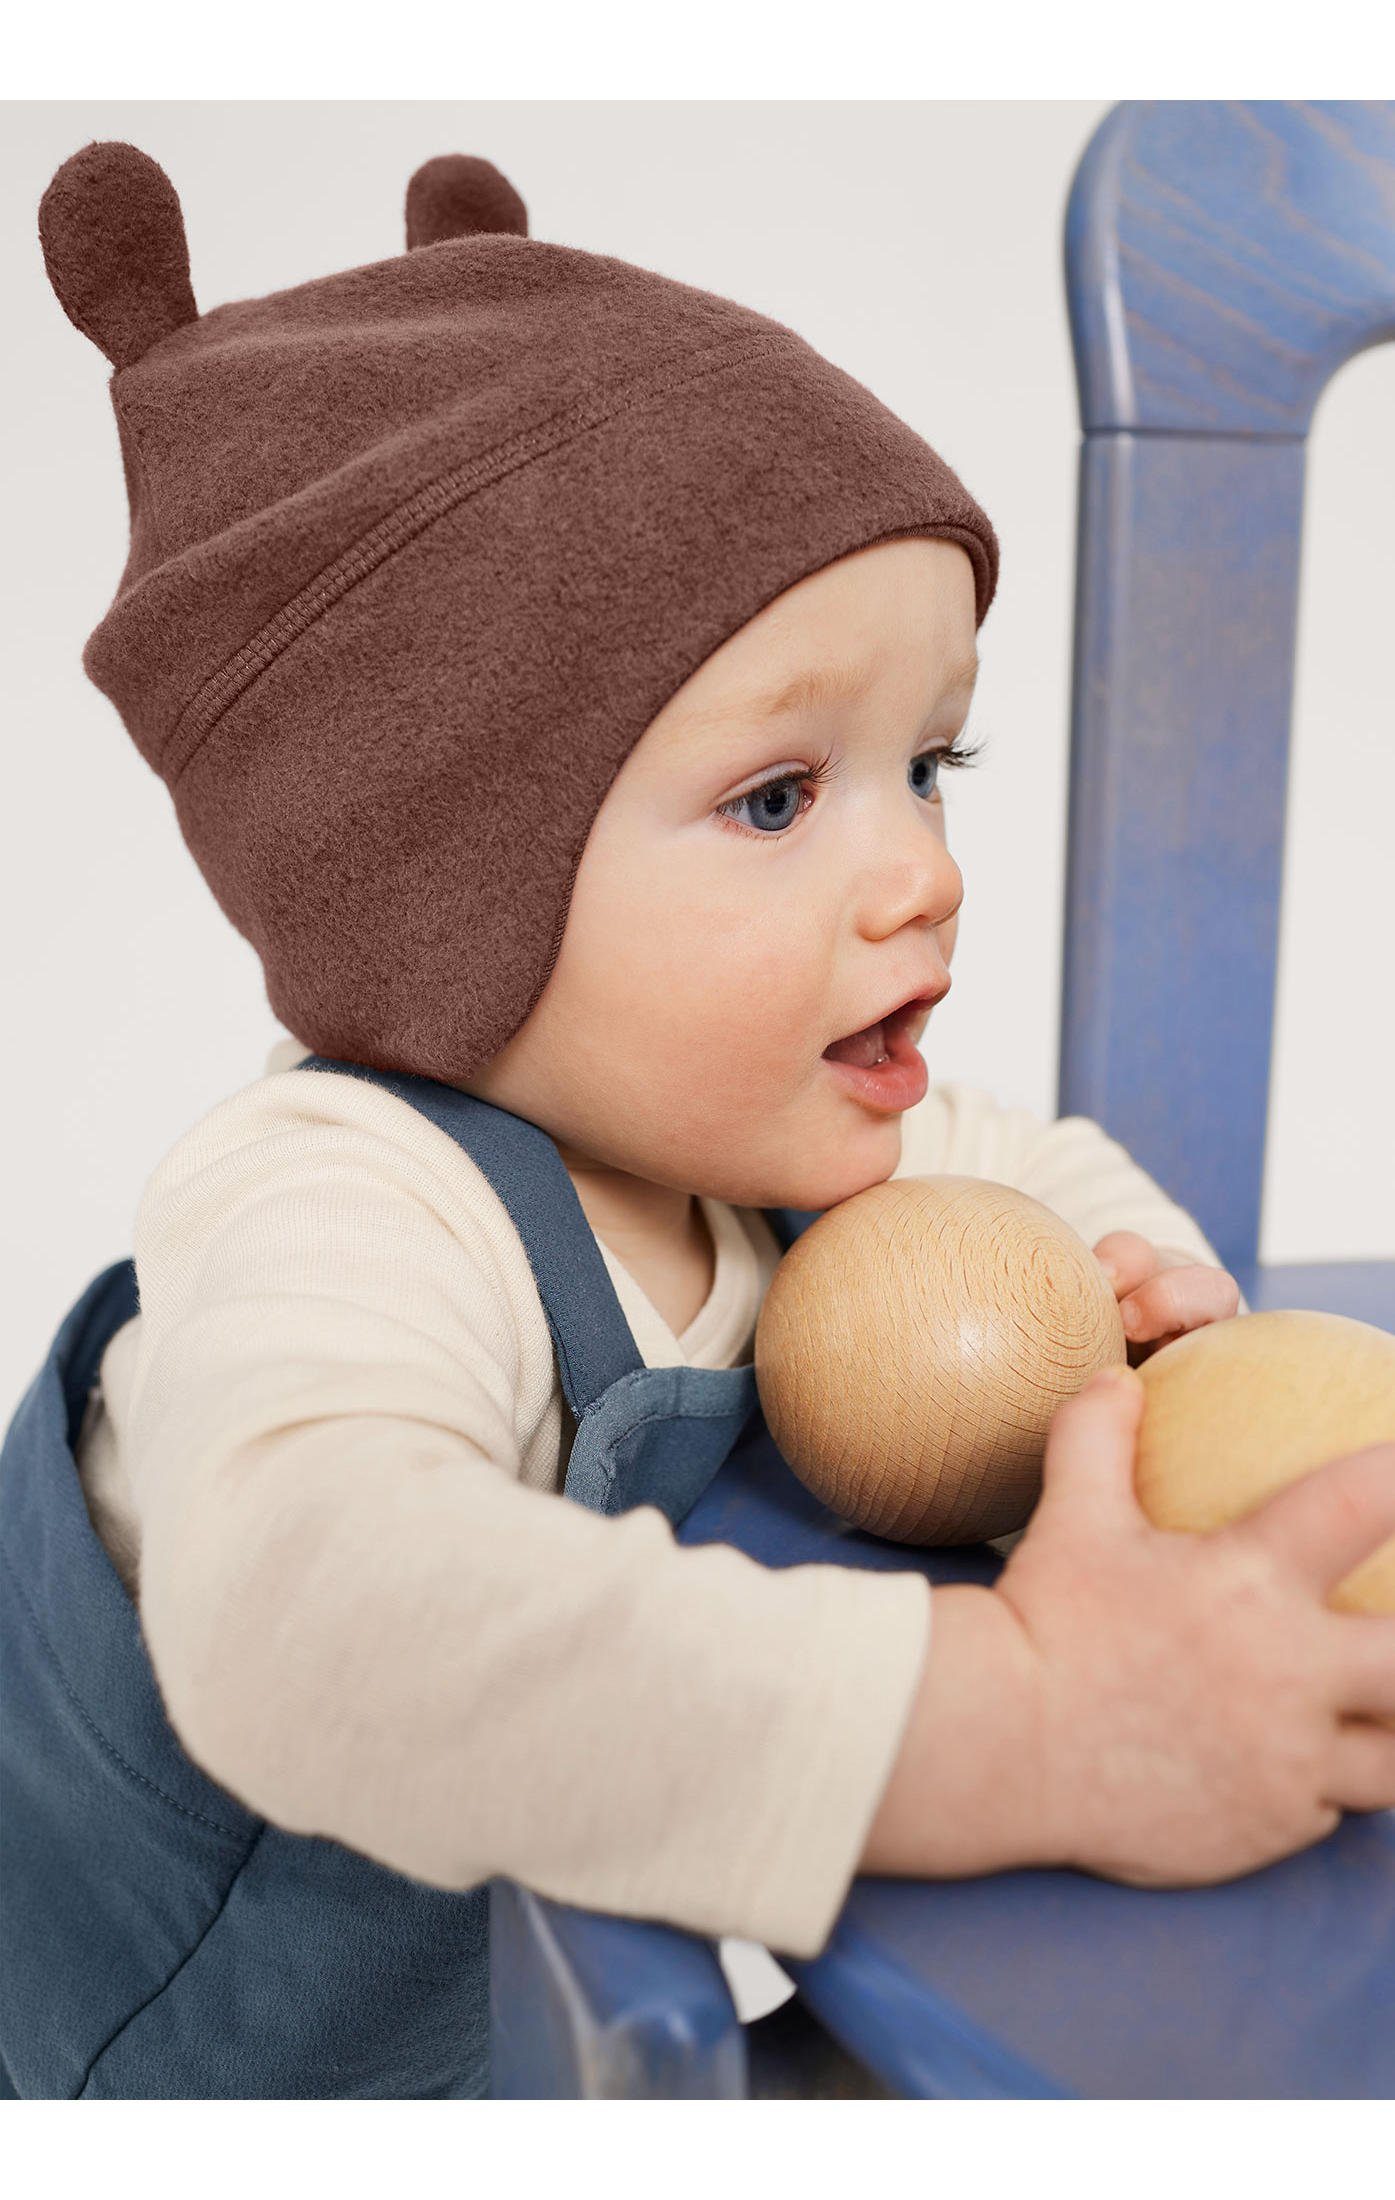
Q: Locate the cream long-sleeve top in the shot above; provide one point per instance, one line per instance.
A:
(325, 1458)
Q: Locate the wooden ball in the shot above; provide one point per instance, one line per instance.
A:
(913, 1345)
(1237, 1409)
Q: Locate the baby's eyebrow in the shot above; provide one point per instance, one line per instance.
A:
(839, 684)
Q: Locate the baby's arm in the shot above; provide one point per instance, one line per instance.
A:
(365, 1626)
(1071, 1165)
(1159, 1708)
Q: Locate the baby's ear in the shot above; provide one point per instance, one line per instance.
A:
(113, 240)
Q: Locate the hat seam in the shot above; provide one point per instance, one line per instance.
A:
(404, 522)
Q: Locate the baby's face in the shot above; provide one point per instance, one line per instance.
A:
(732, 916)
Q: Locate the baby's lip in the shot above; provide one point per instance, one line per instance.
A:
(913, 1007)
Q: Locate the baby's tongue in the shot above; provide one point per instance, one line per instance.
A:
(864, 1049)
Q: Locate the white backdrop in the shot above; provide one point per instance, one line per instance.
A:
(919, 246)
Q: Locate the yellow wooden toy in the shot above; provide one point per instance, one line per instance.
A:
(1237, 1409)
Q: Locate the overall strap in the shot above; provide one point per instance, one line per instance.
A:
(788, 1223)
(595, 1347)
(593, 1340)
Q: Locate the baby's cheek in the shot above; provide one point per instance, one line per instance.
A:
(742, 977)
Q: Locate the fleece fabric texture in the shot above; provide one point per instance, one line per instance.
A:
(418, 550)
(325, 1458)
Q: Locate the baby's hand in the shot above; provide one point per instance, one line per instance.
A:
(1160, 1708)
(1161, 1299)
(1203, 1710)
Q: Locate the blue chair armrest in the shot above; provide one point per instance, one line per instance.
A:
(583, 2006)
(1362, 1289)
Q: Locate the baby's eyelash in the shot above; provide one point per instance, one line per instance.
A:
(955, 755)
(820, 772)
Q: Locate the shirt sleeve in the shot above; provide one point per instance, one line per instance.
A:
(1071, 1165)
(365, 1626)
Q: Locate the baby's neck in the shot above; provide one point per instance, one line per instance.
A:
(657, 1232)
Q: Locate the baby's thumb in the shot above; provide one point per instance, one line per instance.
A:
(1088, 1468)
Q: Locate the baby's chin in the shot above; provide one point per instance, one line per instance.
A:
(842, 1180)
(810, 1171)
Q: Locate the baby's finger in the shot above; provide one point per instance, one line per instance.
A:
(1363, 1767)
(1325, 1523)
(1179, 1299)
(1088, 1468)
(1365, 1664)
(1127, 1259)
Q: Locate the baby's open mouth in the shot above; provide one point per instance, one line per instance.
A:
(886, 1040)
(864, 1049)
(880, 1066)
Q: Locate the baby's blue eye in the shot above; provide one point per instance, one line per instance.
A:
(772, 807)
(931, 761)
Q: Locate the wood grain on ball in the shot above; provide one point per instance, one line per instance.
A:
(913, 1345)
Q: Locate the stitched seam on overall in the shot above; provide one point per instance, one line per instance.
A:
(187, 1957)
(611, 1466)
(399, 527)
(186, 1810)
(570, 1385)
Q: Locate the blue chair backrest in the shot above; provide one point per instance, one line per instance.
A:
(1222, 261)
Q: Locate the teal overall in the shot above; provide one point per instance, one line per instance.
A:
(158, 1939)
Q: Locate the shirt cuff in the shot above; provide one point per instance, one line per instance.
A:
(833, 1751)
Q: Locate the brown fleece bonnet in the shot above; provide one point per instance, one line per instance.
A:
(419, 550)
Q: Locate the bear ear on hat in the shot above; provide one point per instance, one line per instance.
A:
(459, 195)
(112, 233)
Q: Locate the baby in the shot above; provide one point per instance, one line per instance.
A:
(330, 1454)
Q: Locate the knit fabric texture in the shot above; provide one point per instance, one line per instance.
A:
(419, 550)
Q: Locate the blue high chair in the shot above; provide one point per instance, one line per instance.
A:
(1222, 262)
